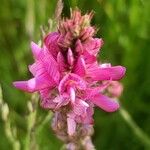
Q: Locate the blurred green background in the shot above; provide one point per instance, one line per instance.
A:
(125, 27)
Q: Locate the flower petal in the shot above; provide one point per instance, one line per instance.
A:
(110, 73)
(80, 107)
(46, 68)
(70, 57)
(51, 43)
(28, 86)
(105, 103)
(89, 58)
(92, 45)
(71, 126)
(47, 104)
(61, 62)
(32, 69)
(35, 50)
(79, 47)
(31, 85)
(72, 95)
(71, 80)
(80, 67)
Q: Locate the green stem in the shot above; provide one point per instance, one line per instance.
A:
(45, 121)
(74, 3)
(11, 136)
(30, 140)
(15, 143)
(135, 128)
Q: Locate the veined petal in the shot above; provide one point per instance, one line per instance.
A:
(72, 95)
(31, 85)
(71, 80)
(93, 45)
(78, 47)
(79, 82)
(35, 50)
(28, 86)
(80, 107)
(45, 93)
(89, 58)
(80, 67)
(52, 68)
(47, 104)
(61, 101)
(39, 70)
(63, 83)
(71, 126)
(61, 62)
(70, 57)
(47, 67)
(110, 73)
(105, 103)
(51, 43)
(32, 69)
(90, 92)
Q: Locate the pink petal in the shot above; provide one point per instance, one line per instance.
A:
(79, 82)
(46, 68)
(105, 103)
(48, 104)
(52, 68)
(89, 58)
(78, 47)
(80, 107)
(105, 65)
(86, 33)
(63, 83)
(90, 92)
(72, 95)
(71, 80)
(61, 62)
(70, 57)
(61, 101)
(110, 73)
(32, 69)
(92, 45)
(45, 93)
(51, 43)
(31, 85)
(41, 74)
(71, 126)
(35, 50)
(28, 86)
(80, 67)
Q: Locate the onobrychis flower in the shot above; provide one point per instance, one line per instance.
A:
(67, 74)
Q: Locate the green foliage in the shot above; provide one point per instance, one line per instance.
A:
(125, 27)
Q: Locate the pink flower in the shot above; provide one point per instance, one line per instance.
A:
(68, 76)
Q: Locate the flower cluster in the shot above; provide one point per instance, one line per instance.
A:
(68, 76)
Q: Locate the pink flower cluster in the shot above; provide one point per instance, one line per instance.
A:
(67, 74)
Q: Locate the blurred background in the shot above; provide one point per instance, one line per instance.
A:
(125, 28)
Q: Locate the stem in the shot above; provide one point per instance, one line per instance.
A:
(74, 3)
(136, 129)
(15, 143)
(45, 121)
(30, 140)
(10, 132)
